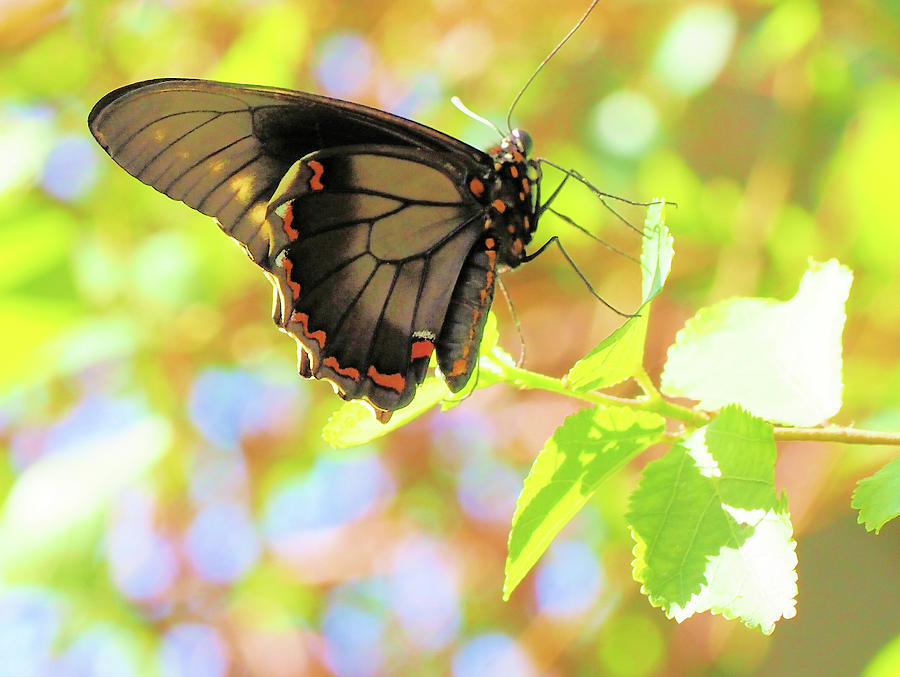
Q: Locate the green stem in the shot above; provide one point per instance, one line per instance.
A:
(836, 434)
(657, 403)
(654, 401)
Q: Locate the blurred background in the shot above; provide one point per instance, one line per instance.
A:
(169, 507)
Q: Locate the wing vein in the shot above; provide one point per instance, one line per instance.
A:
(200, 205)
(199, 161)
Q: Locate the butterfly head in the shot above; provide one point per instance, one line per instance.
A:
(522, 140)
(515, 146)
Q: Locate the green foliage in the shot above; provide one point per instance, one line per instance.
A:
(776, 137)
(780, 361)
(878, 497)
(620, 355)
(354, 423)
(586, 449)
(710, 530)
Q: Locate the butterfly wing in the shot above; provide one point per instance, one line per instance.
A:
(378, 236)
(362, 220)
(222, 149)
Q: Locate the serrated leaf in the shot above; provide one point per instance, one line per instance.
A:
(588, 447)
(711, 532)
(755, 582)
(780, 361)
(877, 498)
(620, 355)
(675, 511)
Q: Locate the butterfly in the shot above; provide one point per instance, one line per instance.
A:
(382, 237)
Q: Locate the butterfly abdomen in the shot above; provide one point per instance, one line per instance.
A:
(460, 338)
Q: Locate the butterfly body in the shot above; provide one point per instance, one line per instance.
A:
(382, 237)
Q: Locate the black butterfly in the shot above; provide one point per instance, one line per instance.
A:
(382, 237)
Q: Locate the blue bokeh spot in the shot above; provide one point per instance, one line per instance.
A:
(568, 579)
(222, 543)
(345, 64)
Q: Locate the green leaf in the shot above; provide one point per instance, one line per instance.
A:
(657, 251)
(586, 449)
(711, 532)
(354, 423)
(878, 497)
(756, 582)
(780, 361)
(620, 355)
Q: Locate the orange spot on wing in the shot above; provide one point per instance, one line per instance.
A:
(518, 157)
(315, 183)
(392, 381)
(517, 246)
(489, 280)
(514, 172)
(526, 222)
(288, 227)
(489, 243)
(492, 256)
(477, 187)
(303, 320)
(499, 205)
(421, 349)
(288, 266)
(459, 368)
(333, 364)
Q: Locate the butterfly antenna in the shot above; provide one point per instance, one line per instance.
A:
(544, 62)
(456, 101)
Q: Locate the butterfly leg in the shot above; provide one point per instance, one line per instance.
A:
(571, 262)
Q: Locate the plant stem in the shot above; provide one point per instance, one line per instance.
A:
(664, 407)
(653, 401)
(836, 434)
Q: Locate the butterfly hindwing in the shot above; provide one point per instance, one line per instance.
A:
(378, 236)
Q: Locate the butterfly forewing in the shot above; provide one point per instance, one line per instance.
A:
(222, 149)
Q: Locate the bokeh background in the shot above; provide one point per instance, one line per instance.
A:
(169, 507)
